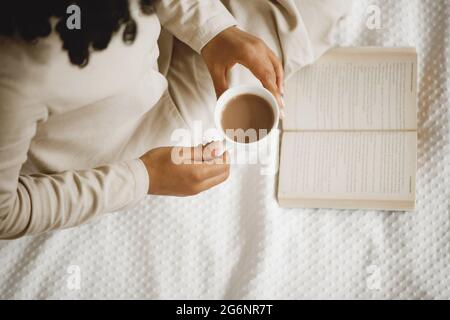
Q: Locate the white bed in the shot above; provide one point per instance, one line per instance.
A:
(236, 242)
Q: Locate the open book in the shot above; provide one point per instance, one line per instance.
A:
(350, 132)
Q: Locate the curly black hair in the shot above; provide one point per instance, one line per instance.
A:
(101, 20)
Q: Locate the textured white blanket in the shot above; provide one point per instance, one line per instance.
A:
(235, 242)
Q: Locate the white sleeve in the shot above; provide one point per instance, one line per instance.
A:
(32, 204)
(195, 22)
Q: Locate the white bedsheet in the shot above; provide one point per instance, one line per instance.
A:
(235, 242)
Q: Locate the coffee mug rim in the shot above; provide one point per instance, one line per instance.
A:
(240, 90)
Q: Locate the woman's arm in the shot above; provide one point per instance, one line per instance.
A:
(208, 28)
(32, 204)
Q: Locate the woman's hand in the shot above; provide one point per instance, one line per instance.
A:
(178, 171)
(233, 46)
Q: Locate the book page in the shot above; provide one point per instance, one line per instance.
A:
(351, 89)
(348, 165)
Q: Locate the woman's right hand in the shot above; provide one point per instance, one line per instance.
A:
(185, 171)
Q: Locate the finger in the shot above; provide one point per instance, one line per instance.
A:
(263, 69)
(213, 150)
(271, 85)
(200, 172)
(197, 154)
(224, 158)
(212, 153)
(273, 88)
(279, 71)
(219, 78)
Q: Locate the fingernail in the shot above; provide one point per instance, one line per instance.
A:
(282, 115)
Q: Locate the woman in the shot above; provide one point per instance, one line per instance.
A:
(75, 105)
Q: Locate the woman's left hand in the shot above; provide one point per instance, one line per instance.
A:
(233, 46)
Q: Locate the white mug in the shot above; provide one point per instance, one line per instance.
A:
(232, 93)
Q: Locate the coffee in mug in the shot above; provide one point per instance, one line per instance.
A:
(246, 115)
(247, 118)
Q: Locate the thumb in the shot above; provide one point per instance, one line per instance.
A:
(220, 81)
(213, 150)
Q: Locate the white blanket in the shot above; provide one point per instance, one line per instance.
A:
(235, 242)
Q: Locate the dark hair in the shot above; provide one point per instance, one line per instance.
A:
(100, 19)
